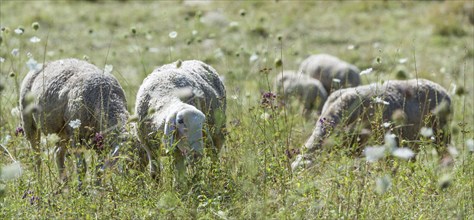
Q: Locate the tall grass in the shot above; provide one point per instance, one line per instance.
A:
(248, 43)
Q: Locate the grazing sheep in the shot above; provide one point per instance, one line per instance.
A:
(310, 91)
(329, 69)
(77, 101)
(411, 104)
(179, 100)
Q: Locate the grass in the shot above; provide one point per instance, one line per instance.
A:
(252, 180)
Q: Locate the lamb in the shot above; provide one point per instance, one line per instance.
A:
(176, 102)
(413, 104)
(331, 71)
(77, 101)
(309, 90)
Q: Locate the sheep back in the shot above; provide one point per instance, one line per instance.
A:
(167, 87)
(416, 98)
(71, 89)
(326, 68)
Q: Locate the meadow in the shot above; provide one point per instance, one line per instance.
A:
(248, 43)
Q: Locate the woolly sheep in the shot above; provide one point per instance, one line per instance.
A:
(327, 69)
(73, 93)
(412, 104)
(179, 100)
(309, 90)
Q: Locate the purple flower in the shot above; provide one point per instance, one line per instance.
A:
(99, 140)
(268, 99)
(19, 130)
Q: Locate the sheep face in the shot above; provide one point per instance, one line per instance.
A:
(185, 126)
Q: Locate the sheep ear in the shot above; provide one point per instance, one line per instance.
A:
(168, 138)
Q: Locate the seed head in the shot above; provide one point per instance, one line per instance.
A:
(35, 26)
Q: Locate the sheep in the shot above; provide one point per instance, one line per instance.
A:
(77, 101)
(331, 71)
(407, 104)
(309, 90)
(176, 101)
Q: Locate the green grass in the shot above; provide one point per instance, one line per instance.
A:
(252, 180)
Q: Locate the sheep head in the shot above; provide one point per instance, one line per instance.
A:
(185, 126)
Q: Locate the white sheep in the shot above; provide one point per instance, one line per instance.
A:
(308, 90)
(77, 101)
(405, 105)
(331, 71)
(178, 101)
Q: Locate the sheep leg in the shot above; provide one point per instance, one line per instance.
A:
(81, 168)
(180, 167)
(60, 161)
(33, 134)
(154, 170)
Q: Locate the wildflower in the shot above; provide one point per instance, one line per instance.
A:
(453, 151)
(403, 153)
(33, 65)
(194, 32)
(390, 141)
(402, 60)
(35, 39)
(386, 124)
(11, 171)
(265, 116)
(2, 59)
(372, 154)
(52, 139)
(99, 140)
(351, 47)
(267, 99)
(108, 69)
(15, 52)
(366, 71)
(19, 130)
(173, 34)
(15, 112)
(253, 58)
(19, 31)
(75, 123)
(383, 184)
(470, 145)
(381, 101)
(336, 80)
(426, 132)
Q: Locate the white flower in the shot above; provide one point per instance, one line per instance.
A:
(426, 132)
(234, 24)
(470, 145)
(383, 184)
(453, 151)
(386, 124)
(372, 154)
(351, 47)
(19, 31)
(381, 101)
(33, 65)
(35, 39)
(75, 123)
(390, 141)
(403, 60)
(2, 59)
(336, 80)
(194, 32)
(52, 139)
(11, 171)
(265, 116)
(253, 58)
(403, 153)
(108, 69)
(234, 97)
(15, 52)
(16, 112)
(366, 71)
(173, 34)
